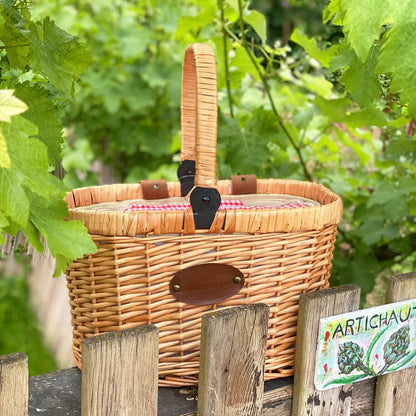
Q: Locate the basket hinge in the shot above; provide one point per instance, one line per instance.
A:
(205, 203)
(154, 189)
(243, 184)
(186, 176)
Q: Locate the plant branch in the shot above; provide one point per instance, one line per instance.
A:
(14, 46)
(282, 125)
(227, 72)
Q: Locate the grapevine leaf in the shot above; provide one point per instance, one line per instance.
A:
(33, 236)
(258, 22)
(338, 111)
(362, 21)
(13, 200)
(361, 80)
(4, 154)
(6, 5)
(311, 48)
(10, 105)
(57, 54)
(241, 65)
(42, 113)
(4, 222)
(16, 44)
(48, 216)
(317, 84)
(397, 59)
(29, 159)
(247, 148)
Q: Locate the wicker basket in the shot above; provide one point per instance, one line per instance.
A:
(280, 253)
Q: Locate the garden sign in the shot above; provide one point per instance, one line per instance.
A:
(365, 343)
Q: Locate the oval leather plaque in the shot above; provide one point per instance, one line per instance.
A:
(206, 283)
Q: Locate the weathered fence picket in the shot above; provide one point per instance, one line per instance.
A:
(396, 391)
(14, 393)
(313, 306)
(119, 375)
(233, 349)
(115, 382)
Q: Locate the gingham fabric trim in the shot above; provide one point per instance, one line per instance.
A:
(225, 206)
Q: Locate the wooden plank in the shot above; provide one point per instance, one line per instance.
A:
(119, 373)
(233, 348)
(395, 393)
(14, 385)
(313, 306)
(59, 394)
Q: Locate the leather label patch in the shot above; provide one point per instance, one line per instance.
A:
(205, 284)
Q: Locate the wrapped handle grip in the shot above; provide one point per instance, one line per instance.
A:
(199, 112)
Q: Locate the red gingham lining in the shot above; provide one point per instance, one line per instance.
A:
(225, 206)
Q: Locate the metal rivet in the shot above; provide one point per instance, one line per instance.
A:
(156, 186)
(176, 288)
(237, 279)
(206, 200)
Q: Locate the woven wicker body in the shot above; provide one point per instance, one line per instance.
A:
(282, 253)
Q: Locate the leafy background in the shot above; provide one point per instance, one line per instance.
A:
(309, 90)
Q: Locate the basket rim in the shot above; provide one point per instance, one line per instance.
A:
(118, 223)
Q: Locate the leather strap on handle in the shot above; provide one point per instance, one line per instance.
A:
(199, 112)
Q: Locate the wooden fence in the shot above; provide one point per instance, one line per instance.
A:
(119, 374)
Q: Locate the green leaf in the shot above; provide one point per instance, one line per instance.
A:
(7, 5)
(311, 48)
(318, 84)
(48, 216)
(10, 105)
(362, 21)
(4, 154)
(247, 148)
(13, 200)
(240, 66)
(42, 113)
(398, 59)
(339, 110)
(361, 80)
(371, 231)
(15, 41)
(57, 54)
(33, 236)
(29, 159)
(258, 22)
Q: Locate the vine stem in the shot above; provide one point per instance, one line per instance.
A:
(282, 125)
(227, 72)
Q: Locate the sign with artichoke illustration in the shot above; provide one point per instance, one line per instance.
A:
(365, 343)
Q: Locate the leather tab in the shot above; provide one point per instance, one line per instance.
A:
(206, 284)
(205, 203)
(243, 184)
(154, 189)
(186, 176)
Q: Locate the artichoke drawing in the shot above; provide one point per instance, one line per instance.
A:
(350, 357)
(396, 347)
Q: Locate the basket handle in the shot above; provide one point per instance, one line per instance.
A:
(199, 112)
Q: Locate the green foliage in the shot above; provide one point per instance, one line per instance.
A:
(383, 40)
(18, 327)
(38, 67)
(334, 105)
